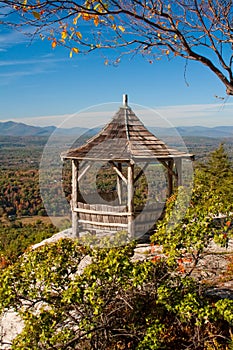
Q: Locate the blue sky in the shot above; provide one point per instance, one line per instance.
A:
(43, 86)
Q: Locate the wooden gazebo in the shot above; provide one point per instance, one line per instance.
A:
(129, 142)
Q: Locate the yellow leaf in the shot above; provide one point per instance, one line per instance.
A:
(100, 8)
(54, 44)
(114, 26)
(86, 16)
(96, 20)
(79, 35)
(75, 50)
(96, 7)
(121, 28)
(64, 34)
(106, 62)
(36, 14)
(75, 20)
(111, 17)
(167, 52)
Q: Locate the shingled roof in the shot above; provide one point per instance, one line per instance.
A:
(124, 138)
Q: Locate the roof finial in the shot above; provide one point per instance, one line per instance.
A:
(125, 100)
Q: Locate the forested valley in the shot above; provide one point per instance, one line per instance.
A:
(23, 218)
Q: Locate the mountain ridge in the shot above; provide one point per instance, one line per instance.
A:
(11, 128)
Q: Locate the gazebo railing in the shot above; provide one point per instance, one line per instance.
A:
(102, 216)
(147, 217)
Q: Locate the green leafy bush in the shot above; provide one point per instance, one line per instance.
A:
(17, 237)
(116, 303)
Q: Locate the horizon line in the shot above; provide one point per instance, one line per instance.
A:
(208, 115)
(72, 127)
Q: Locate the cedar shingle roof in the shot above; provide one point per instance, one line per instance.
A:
(122, 139)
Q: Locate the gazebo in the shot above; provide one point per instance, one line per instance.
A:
(123, 142)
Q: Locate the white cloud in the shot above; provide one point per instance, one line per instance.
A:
(8, 39)
(18, 74)
(55, 120)
(183, 115)
(27, 67)
(5, 63)
(199, 114)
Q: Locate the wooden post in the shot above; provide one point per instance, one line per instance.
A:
(119, 185)
(178, 163)
(131, 228)
(74, 200)
(170, 177)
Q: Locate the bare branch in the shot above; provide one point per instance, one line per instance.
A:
(192, 29)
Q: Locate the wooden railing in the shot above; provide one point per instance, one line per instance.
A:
(102, 216)
(115, 218)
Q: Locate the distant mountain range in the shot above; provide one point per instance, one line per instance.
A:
(197, 131)
(20, 129)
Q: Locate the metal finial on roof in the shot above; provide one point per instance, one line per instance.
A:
(125, 100)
